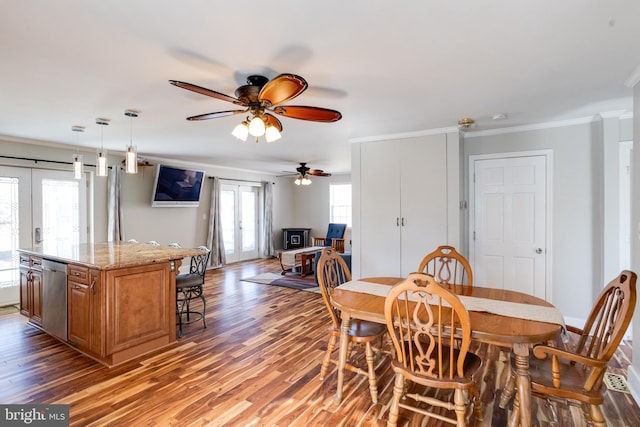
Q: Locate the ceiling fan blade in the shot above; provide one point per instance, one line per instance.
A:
(314, 114)
(282, 88)
(216, 115)
(318, 172)
(205, 91)
(273, 121)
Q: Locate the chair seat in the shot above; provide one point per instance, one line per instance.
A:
(188, 280)
(361, 330)
(573, 378)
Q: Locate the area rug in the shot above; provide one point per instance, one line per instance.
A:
(289, 281)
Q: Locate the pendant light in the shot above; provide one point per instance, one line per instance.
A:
(131, 161)
(102, 167)
(78, 167)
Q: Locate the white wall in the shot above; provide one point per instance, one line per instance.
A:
(576, 268)
(634, 370)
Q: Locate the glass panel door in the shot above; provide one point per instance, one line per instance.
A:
(240, 221)
(59, 209)
(15, 226)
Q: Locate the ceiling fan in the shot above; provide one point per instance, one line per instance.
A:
(303, 172)
(261, 97)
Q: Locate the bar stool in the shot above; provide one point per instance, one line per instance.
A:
(190, 286)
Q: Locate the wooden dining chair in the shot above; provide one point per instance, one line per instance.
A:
(333, 271)
(423, 318)
(448, 267)
(576, 372)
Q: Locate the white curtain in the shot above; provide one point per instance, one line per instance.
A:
(267, 221)
(214, 238)
(115, 228)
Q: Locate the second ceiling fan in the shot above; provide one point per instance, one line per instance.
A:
(303, 172)
(261, 97)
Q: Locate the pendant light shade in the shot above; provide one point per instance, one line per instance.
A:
(131, 159)
(78, 167)
(102, 168)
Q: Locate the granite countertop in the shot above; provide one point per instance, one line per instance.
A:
(111, 255)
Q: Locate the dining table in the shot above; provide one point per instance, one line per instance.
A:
(501, 317)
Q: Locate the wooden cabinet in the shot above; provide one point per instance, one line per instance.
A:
(31, 288)
(84, 327)
(409, 202)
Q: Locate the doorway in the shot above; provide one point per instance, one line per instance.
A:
(240, 221)
(37, 207)
(508, 221)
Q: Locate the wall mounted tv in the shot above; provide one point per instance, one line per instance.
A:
(177, 187)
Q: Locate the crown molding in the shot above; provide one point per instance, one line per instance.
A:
(536, 126)
(404, 135)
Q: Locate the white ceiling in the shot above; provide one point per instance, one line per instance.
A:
(391, 68)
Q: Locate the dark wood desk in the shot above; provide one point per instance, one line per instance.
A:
(519, 334)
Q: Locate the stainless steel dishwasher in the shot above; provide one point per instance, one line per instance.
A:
(54, 298)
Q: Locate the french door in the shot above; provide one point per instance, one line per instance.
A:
(240, 221)
(37, 207)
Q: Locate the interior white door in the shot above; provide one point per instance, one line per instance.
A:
(240, 221)
(380, 210)
(508, 223)
(403, 203)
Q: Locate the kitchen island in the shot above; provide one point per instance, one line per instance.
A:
(120, 297)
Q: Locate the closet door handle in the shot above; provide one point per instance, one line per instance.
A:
(397, 221)
(402, 221)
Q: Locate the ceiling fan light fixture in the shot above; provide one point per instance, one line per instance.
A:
(257, 127)
(306, 181)
(241, 131)
(272, 134)
(298, 181)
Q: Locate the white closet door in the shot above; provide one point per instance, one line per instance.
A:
(423, 199)
(380, 210)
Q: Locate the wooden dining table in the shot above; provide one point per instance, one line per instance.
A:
(519, 334)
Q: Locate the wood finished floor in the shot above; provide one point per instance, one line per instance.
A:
(256, 364)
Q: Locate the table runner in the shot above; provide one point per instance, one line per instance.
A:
(538, 313)
(289, 257)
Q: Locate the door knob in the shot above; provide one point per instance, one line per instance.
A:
(539, 250)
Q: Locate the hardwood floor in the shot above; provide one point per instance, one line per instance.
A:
(256, 364)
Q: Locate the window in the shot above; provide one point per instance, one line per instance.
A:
(340, 204)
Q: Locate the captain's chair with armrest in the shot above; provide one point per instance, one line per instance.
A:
(576, 372)
(336, 234)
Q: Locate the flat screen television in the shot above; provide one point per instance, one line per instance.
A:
(177, 187)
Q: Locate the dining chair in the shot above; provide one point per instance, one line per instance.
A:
(333, 271)
(448, 266)
(576, 372)
(190, 286)
(423, 318)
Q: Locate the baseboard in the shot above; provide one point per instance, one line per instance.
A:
(633, 382)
